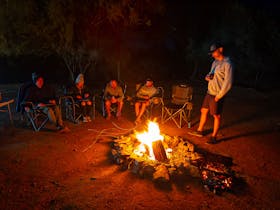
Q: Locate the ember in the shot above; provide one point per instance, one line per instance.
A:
(159, 156)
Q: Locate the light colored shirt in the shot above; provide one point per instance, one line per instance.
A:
(146, 91)
(116, 92)
(223, 78)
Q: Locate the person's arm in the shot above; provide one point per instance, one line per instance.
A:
(210, 74)
(73, 91)
(29, 99)
(141, 93)
(50, 95)
(29, 96)
(107, 95)
(120, 94)
(227, 84)
(154, 92)
(86, 93)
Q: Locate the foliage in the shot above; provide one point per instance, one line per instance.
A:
(68, 28)
(251, 38)
(84, 34)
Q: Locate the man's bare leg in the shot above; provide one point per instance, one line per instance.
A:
(108, 110)
(217, 122)
(203, 118)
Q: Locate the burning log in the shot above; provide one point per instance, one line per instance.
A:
(159, 151)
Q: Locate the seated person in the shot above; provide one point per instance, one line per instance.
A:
(113, 94)
(81, 95)
(43, 97)
(143, 96)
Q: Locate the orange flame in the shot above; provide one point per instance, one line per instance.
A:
(147, 138)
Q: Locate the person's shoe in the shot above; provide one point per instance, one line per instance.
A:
(85, 119)
(212, 140)
(88, 118)
(196, 133)
(63, 129)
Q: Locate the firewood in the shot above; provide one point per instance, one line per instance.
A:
(159, 151)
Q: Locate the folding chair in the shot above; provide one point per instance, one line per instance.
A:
(5, 107)
(72, 109)
(35, 116)
(179, 108)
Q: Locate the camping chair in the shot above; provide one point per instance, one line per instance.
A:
(35, 116)
(155, 102)
(72, 109)
(114, 107)
(5, 107)
(179, 108)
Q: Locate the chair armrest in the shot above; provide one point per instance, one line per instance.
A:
(5, 103)
(28, 103)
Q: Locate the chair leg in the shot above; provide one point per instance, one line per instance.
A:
(10, 114)
(189, 118)
(33, 118)
(170, 114)
(42, 124)
(94, 107)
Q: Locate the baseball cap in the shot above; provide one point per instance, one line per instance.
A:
(35, 76)
(214, 46)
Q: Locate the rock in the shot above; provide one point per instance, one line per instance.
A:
(161, 172)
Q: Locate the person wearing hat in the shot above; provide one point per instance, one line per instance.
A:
(143, 97)
(220, 79)
(81, 95)
(113, 94)
(44, 98)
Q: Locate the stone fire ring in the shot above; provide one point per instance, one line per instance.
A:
(181, 159)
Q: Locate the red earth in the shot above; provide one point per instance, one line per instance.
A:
(49, 170)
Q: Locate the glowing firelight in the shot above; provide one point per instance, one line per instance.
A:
(147, 138)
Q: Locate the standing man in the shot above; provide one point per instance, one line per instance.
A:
(220, 79)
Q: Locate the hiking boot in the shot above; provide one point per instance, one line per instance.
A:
(196, 133)
(212, 140)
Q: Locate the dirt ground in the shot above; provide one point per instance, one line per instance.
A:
(48, 170)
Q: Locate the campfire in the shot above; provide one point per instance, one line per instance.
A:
(151, 143)
(161, 157)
